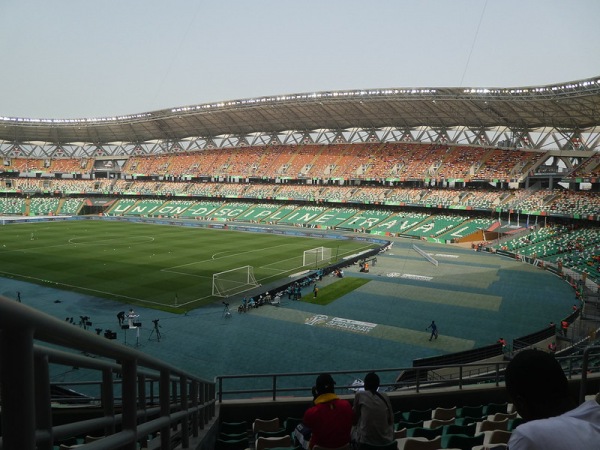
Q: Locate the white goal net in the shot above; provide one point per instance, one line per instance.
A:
(234, 281)
(314, 256)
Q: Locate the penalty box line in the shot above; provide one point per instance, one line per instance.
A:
(233, 255)
(214, 258)
(98, 291)
(300, 267)
(260, 280)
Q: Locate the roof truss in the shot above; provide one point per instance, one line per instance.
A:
(543, 139)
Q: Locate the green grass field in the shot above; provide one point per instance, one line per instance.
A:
(159, 266)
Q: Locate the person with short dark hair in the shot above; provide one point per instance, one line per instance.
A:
(373, 414)
(538, 387)
(330, 419)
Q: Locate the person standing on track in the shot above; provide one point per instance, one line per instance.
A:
(434, 330)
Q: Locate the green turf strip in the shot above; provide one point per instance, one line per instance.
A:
(337, 289)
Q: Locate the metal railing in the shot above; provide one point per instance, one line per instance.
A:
(155, 397)
(283, 385)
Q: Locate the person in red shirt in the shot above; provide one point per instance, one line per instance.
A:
(565, 327)
(330, 420)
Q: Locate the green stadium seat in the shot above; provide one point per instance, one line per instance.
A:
(428, 433)
(461, 441)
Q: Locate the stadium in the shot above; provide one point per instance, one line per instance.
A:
(204, 206)
(145, 211)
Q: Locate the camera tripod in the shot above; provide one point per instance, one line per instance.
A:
(84, 322)
(156, 328)
(126, 328)
(226, 312)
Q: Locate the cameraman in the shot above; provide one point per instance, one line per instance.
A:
(156, 329)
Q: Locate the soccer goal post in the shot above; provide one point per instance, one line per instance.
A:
(316, 255)
(234, 281)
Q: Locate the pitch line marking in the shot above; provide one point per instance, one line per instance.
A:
(112, 241)
(70, 242)
(59, 284)
(214, 257)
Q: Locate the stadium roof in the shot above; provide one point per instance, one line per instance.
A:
(569, 106)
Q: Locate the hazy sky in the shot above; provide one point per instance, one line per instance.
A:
(93, 58)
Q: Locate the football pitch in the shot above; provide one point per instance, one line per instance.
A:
(157, 266)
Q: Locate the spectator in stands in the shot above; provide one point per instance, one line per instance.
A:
(564, 325)
(373, 414)
(330, 420)
(538, 387)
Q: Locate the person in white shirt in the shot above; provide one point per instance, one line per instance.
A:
(373, 414)
(538, 387)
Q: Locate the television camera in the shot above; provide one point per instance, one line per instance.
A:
(108, 334)
(84, 321)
